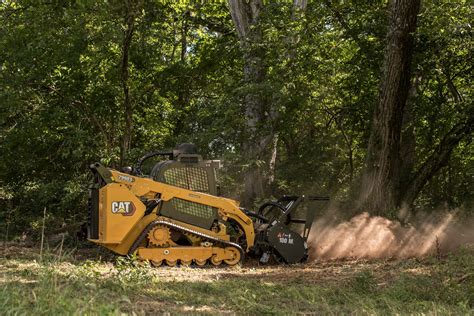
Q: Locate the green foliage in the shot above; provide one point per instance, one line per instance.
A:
(61, 96)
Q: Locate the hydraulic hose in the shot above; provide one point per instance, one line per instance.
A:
(138, 167)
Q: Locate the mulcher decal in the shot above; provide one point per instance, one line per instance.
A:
(126, 208)
(285, 238)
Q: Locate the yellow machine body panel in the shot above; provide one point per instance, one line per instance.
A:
(122, 213)
(119, 211)
(123, 247)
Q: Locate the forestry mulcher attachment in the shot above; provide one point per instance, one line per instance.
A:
(174, 214)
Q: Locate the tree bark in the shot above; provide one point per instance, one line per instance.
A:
(408, 138)
(129, 20)
(299, 8)
(255, 145)
(184, 34)
(259, 147)
(381, 186)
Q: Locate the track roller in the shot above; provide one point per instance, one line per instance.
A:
(215, 260)
(235, 256)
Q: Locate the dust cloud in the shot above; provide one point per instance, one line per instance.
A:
(366, 236)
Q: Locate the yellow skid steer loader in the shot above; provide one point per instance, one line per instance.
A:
(174, 215)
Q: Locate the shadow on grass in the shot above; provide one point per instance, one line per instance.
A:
(94, 287)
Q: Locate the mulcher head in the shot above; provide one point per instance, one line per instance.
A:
(283, 227)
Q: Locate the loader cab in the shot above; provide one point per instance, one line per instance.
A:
(185, 168)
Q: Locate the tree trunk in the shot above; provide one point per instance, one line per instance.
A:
(184, 34)
(408, 138)
(126, 140)
(255, 149)
(259, 147)
(381, 186)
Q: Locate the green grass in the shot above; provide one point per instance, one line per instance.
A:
(68, 286)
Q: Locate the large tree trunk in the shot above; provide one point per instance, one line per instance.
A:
(255, 147)
(260, 144)
(381, 186)
(408, 138)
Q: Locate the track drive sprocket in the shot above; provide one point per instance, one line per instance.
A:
(160, 236)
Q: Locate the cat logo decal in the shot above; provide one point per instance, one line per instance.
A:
(126, 208)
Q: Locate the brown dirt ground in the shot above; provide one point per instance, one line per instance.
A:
(309, 273)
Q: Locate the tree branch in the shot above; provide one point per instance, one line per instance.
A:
(364, 47)
(439, 158)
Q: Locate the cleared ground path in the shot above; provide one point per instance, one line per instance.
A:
(87, 281)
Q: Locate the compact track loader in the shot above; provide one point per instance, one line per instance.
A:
(174, 215)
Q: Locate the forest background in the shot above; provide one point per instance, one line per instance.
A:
(369, 102)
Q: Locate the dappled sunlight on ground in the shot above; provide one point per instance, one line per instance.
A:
(319, 271)
(83, 281)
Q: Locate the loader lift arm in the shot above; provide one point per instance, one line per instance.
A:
(147, 190)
